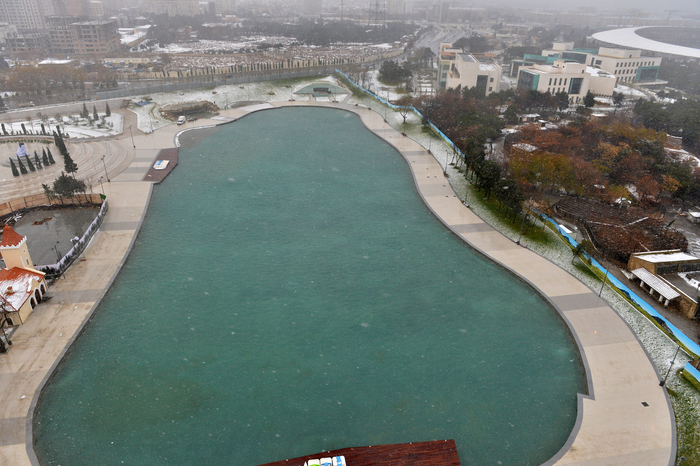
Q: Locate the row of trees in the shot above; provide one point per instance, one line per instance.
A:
(597, 160)
(54, 79)
(681, 118)
(46, 160)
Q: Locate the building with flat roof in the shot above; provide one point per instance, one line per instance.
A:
(561, 76)
(29, 44)
(647, 268)
(628, 66)
(459, 69)
(85, 38)
(628, 37)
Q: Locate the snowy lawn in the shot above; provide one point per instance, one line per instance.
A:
(150, 119)
(71, 125)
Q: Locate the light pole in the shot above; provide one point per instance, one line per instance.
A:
(58, 254)
(663, 382)
(132, 137)
(522, 228)
(105, 165)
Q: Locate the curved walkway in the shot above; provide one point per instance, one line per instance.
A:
(625, 419)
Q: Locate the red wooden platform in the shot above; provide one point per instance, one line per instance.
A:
(435, 453)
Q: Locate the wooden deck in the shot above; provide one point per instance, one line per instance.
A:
(157, 176)
(435, 453)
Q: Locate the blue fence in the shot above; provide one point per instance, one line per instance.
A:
(689, 344)
(447, 140)
(692, 373)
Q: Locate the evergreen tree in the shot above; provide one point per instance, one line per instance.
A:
(95, 116)
(30, 164)
(43, 130)
(58, 140)
(68, 186)
(51, 160)
(68, 164)
(4, 131)
(108, 112)
(24, 130)
(14, 168)
(589, 100)
(37, 161)
(21, 166)
(84, 113)
(44, 157)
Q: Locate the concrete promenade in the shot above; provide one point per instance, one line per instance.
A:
(625, 419)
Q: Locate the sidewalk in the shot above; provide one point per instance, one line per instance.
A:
(613, 426)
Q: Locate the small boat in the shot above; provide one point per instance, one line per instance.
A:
(161, 164)
(339, 461)
(326, 462)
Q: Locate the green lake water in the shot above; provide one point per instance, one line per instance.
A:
(290, 293)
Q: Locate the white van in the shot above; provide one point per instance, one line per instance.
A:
(181, 120)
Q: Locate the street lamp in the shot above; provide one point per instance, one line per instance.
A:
(663, 382)
(132, 137)
(58, 254)
(105, 165)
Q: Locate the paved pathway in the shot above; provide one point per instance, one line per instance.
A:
(624, 420)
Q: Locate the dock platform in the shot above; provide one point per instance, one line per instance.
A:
(156, 176)
(433, 453)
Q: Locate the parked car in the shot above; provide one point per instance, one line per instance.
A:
(181, 120)
(192, 119)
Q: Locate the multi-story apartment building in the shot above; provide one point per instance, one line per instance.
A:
(27, 15)
(629, 66)
(66, 37)
(96, 38)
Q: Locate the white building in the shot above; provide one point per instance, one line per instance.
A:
(601, 82)
(561, 76)
(457, 69)
(627, 65)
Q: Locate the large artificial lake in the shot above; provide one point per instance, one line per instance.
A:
(290, 293)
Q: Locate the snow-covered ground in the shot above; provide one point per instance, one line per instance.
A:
(73, 126)
(149, 118)
(629, 92)
(269, 49)
(129, 35)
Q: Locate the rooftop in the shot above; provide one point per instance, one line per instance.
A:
(627, 37)
(670, 256)
(10, 238)
(20, 281)
(658, 284)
